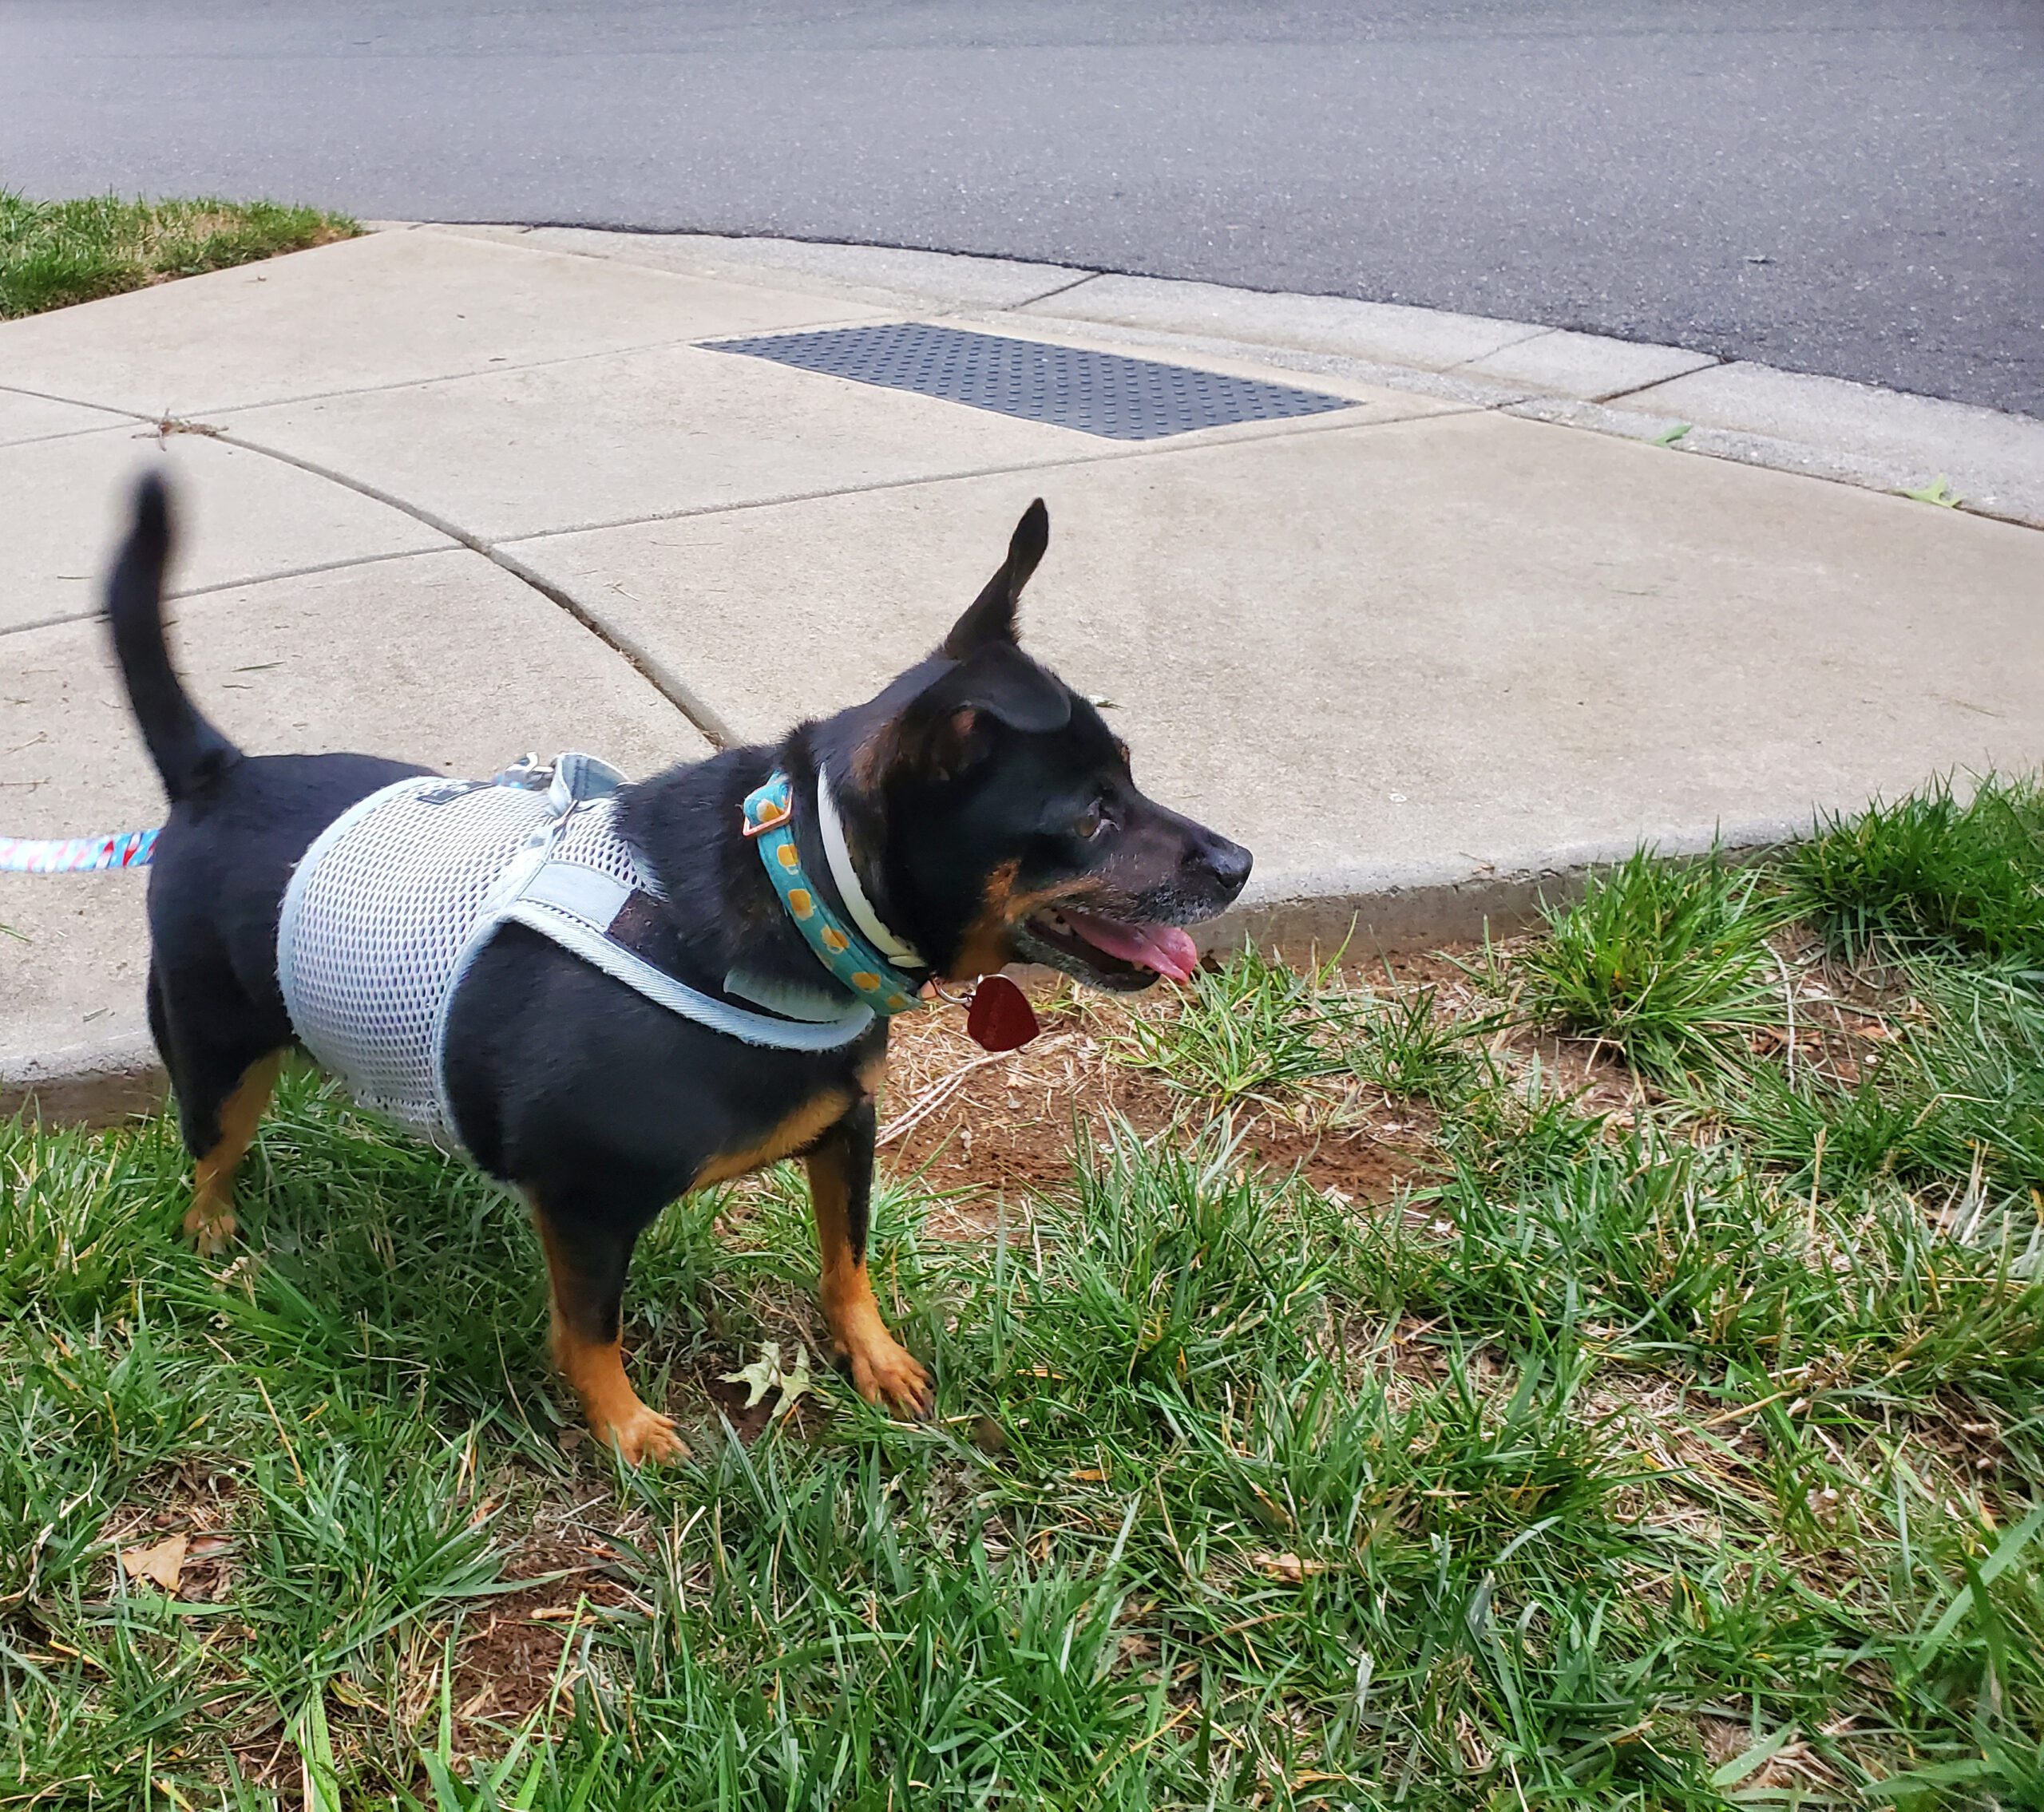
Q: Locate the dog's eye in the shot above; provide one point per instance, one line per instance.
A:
(1090, 822)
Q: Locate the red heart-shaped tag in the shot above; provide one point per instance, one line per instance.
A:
(1000, 1017)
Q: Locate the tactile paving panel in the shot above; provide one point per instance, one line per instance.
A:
(1097, 392)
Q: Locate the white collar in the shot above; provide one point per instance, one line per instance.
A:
(839, 856)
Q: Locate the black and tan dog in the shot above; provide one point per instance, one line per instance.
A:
(989, 815)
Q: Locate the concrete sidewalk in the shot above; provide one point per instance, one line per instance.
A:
(453, 494)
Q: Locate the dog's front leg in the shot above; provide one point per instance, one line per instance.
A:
(841, 1191)
(587, 1257)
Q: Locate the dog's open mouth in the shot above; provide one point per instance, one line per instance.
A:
(1117, 949)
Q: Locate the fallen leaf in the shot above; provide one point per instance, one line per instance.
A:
(1937, 492)
(163, 1563)
(1288, 1567)
(767, 1373)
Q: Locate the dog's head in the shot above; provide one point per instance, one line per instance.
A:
(1008, 826)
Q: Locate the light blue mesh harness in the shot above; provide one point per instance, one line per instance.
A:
(392, 903)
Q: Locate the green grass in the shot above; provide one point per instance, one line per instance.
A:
(1686, 1455)
(1935, 873)
(1667, 962)
(1406, 1044)
(1248, 1026)
(55, 253)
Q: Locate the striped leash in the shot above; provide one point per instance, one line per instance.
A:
(76, 855)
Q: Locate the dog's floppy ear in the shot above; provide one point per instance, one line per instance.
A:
(989, 620)
(948, 726)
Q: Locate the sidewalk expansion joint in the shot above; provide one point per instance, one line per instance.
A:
(708, 721)
(1332, 423)
(64, 434)
(1063, 289)
(76, 402)
(179, 595)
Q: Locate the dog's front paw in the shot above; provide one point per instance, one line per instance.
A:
(885, 1369)
(640, 1435)
(211, 1227)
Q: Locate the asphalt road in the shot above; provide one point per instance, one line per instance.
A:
(1853, 187)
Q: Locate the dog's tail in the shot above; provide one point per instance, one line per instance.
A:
(188, 752)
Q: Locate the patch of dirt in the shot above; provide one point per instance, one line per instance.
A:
(1446, 970)
(1794, 1769)
(1358, 1164)
(987, 1127)
(1586, 1071)
(511, 1655)
(1846, 1019)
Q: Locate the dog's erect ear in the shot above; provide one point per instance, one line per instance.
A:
(948, 726)
(990, 617)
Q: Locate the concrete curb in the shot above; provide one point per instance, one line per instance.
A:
(1374, 911)
(91, 1085)
(1829, 428)
(102, 1084)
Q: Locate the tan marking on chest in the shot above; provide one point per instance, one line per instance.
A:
(809, 1122)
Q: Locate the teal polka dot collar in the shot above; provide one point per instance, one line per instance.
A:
(851, 953)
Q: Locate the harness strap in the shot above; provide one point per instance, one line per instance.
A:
(576, 906)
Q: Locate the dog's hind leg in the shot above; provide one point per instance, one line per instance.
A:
(210, 1220)
(587, 1257)
(841, 1193)
(223, 1061)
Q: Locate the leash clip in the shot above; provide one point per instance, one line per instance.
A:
(773, 818)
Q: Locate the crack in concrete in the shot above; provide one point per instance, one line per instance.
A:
(75, 402)
(1705, 362)
(706, 722)
(1063, 289)
(1503, 345)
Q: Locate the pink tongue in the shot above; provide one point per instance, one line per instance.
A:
(1164, 948)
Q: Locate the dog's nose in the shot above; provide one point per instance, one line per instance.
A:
(1229, 864)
